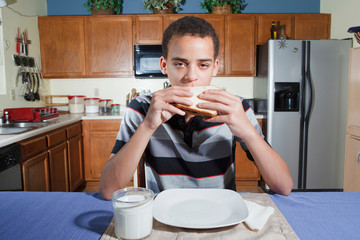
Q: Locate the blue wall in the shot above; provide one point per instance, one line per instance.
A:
(76, 7)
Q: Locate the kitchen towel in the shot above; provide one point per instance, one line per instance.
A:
(276, 227)
(258, 215)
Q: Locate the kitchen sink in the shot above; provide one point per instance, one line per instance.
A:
(13, 130)
(25, 124)
(20, 127)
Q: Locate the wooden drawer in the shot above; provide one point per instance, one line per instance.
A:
(104, 125)
(73, 131)
(56, 138)
(33, 146)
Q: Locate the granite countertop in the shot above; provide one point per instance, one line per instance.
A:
(62, 120)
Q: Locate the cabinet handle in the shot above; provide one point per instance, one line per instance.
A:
(357, 158)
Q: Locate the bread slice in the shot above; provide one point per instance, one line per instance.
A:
(193, 109)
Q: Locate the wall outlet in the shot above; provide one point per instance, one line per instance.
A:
(96, 92)
(13, 97)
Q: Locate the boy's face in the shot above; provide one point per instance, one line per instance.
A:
(190, 61)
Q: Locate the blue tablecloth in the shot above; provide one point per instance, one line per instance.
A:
(57, 215)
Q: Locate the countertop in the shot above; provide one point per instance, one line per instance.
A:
(62, 120)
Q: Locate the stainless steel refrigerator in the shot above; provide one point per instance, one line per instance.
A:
(306, 90)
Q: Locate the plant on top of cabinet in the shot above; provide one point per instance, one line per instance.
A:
(162, 6)
(104, 7)
(236, 5)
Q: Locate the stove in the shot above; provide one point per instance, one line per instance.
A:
(31, 114)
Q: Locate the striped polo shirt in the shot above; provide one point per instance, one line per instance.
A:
(180, 155)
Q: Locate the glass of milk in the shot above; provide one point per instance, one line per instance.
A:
(133, 216)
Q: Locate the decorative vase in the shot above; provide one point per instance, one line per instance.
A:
(169, 10)
(108, 11)
(226, 9)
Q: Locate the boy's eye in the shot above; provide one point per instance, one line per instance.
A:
(180, 64)
(204, 66)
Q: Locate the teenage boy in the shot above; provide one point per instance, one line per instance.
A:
(182, 150)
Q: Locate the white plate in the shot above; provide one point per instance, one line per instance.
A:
(200, 208)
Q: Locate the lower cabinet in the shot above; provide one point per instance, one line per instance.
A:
(247, 175)
(36, 173)
(99, 138)
(352, 164)
(53, 161)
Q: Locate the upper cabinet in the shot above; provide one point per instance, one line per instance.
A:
(92, 46)
(311, 26)
(102, 46)
(264, 22)
(62, 46)
(148, 29)
(240, 45)
(108, 40)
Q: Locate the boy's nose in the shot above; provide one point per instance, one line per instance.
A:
(191, 74)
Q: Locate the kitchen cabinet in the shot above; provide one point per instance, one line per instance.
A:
(247, 174)
(311, 26)
(62, 46)
(148, 29)
(352, 152)
(86, 46)
(99, 138)
(108, 46)
(51, 162)
(240, 45)
(264, 22)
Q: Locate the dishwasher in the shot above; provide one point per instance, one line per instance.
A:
(10, 168)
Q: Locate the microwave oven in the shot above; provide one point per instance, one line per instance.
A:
(147, 61)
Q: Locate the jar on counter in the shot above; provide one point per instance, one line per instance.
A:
(105, 105)
(92, 105)
(115, 108)
(76, 103)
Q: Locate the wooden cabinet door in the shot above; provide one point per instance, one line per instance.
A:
(75, 162)
(240, 45)
(148, 29)
(99, 137)
(36, 173)
(108, 41)
(311, 26)
(218, 23)
(352, 164)
(59, 168)
(62, 46)
(264, 22)
(354, 89)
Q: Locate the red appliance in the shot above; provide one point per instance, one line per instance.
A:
(31, 114)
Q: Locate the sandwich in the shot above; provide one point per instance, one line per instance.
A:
(193, 109)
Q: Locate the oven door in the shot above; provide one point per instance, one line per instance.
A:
(10, 168)
(147, 61)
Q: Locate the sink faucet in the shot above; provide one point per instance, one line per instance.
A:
(7, 121)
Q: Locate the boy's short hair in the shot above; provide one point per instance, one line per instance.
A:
(189, 26)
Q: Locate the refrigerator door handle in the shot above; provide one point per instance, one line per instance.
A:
(309, 83)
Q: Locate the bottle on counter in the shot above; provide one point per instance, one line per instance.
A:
(273, 31)
(282, 34)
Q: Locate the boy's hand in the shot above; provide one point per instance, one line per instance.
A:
(230, 111)
(161, 109)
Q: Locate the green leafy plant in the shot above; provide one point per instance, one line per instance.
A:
(162, 4)
(236, 5)
(105, 4)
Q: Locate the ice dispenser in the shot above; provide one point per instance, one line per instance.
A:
(287, 97)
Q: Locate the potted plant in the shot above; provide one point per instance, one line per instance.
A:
(104, 7)
(223, 6)
(162, 6)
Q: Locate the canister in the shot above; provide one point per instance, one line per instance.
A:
(76, 103)
(115, 108)
(92, 105)
(105, 105)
